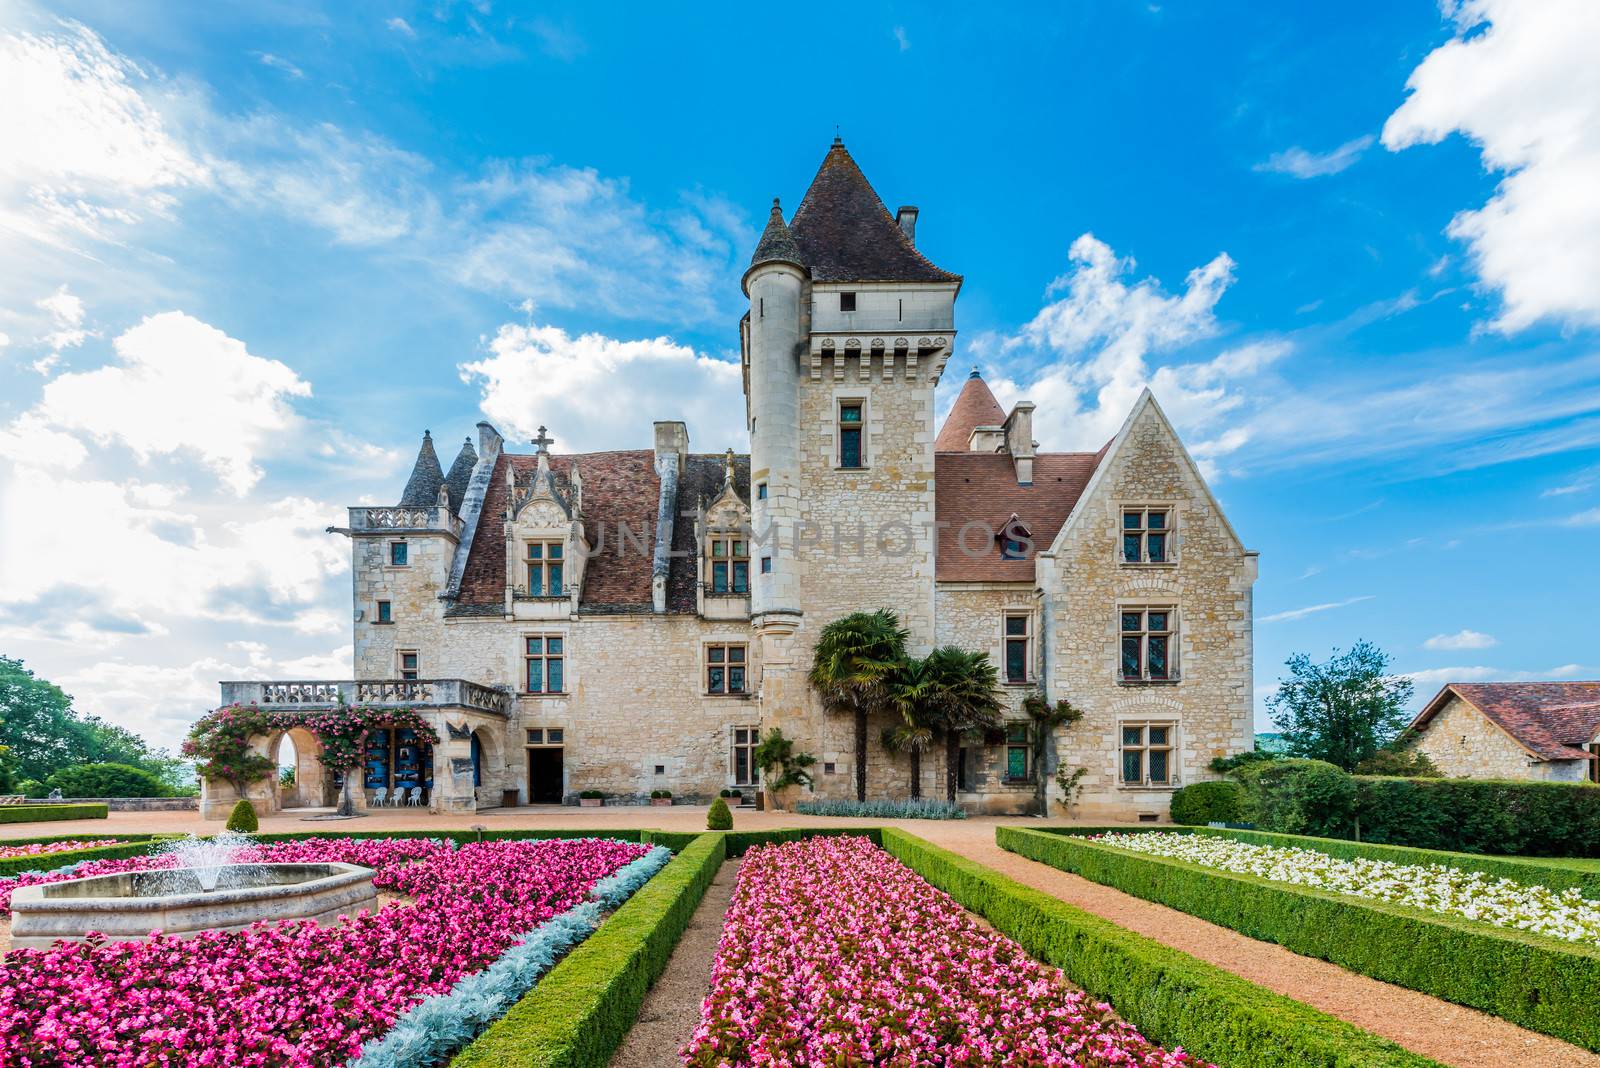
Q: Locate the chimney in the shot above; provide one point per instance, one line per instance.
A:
(907, 218)
(672, 443)
(1019, 441)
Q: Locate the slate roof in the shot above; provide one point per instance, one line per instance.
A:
(1549, 719)
(845, 234)
(981, 488)
(777, 244)
(620, 489)
(974, 407)
(460, 474)
(422, 488)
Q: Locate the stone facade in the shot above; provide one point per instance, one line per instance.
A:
(1464, 743)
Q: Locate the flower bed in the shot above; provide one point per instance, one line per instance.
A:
(35, 848)
(1563, 914)
(293, 994)
(833, 952)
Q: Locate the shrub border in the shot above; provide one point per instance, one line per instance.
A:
(579, 1013)
(1546, 871)
(54, 813)
(1534, 981)
(1172, 998)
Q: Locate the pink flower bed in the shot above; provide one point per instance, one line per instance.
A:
(292, 994)
(35, 848)
(835, 953)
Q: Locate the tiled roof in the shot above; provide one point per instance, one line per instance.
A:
(460, 474)
(981, 488)
(619, 489)
(845, 233)
(422, 488)
(1550, 719)
(974, 407)
(777, 243)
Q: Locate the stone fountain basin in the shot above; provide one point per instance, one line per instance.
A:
(129, 906)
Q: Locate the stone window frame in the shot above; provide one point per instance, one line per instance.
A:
(549, 737)
(1145, 506)
(543, 565)
(404, 545)
(383, 613)
(544, 657)
(752, 738)
(841, 399)
(1030, 674)
(408, 674)
(732, 558)
(1018, 736)
(1173, 725)
(706, 666)
(1173, 633)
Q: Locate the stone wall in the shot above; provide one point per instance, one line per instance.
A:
(413, 593)
(1464, 743)
(1209, 586)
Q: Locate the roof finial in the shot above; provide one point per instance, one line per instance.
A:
(543, 441)
(975, 373)
(727, 469)
(836, 138)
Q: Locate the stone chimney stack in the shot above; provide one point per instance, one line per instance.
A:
(672, 441)
(1019, 441)
(907, 218)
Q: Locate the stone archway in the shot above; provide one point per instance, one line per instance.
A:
(313, 786)
(488, 768)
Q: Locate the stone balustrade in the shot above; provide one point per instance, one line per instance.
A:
(400, 518)
(398, 693)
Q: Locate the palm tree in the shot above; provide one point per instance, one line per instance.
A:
(966, 697)
(854, 658)
(911, 692)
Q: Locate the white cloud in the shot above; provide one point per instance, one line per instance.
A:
(1429, 680)
(401, 26)
(901, 39)
(1311, 610)
(1525, 88)
(66, 316)
(1588, 518)
(590, 388)
(279, 63)
(180, 386)
(1300, 163)
(559, 41)
(1462, 639)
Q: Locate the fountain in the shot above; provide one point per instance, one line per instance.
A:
(208, 891)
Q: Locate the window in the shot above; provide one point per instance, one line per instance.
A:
(1019, 752)
(1146, 536)
(847, 302)
(1594, 762)
(730, 565)
(544, 569)
(397, 554)
(1019, 643)
(385, 612)
(766, 565)
(555, 736)
(661, 769)
(743, 758)
(1147, 754)
(545, 657)
(761, 491)
(850, 434)
(828, 768)
(410, 666)
(536, 737)
(1148, 645)
(725, 669)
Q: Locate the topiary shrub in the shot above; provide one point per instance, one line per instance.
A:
(1298, 796)
(106, 780)
(1404, 763)
(719, 818)
(1222, 801)
(242, 820)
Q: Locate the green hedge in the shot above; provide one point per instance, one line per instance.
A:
(1537, 982)
(1217, 801)
(53, 813)
(11, 866)
(1171, 997)
(1516, 817)
(1557, 873)
(577, 1015)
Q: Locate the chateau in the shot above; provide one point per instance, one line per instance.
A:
(629, 621)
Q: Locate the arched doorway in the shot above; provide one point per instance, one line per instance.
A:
(477, 761)
(299, 776)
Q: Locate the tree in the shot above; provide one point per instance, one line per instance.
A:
(1046, 718)
(1342, 711)
(851, 666)
(106, 780)
(965, 697)
(911, 693)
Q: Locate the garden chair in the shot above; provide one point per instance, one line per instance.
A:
(378, 797)
(416, 796)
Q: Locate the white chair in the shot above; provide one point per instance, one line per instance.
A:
(416, 796)
(379, 796)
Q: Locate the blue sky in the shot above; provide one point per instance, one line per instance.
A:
(248, 252)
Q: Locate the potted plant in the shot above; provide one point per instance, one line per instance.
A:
(591, 798)
(661, 798)
(733, 797)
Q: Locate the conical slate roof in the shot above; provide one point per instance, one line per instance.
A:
(777, 243)
(422, 489)
(460, 474)
(974, 407)
(845, 234)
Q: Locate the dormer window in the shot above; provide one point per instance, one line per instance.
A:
(730, 565)
(545, 569)
(1015, 539)
(847, 302)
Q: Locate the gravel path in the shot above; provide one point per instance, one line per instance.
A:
(1451, 1034)
(672, 1007)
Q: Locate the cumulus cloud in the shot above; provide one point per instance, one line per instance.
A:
(1299, 163)
(1520, 81)
(1461, 639)
(602, 392)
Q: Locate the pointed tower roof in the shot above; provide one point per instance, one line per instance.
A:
(974, 407)
(460, 474)
(777, 244)
(422, 489)
(845, 234)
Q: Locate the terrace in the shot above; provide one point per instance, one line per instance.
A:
(373, 693)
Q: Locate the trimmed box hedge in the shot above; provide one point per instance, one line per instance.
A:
(1507, 816)
(1171, 997)
(577, 1015)
(51, 813)
(13, 866)
(1537, 982)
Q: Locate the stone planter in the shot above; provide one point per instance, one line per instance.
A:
(661, 802)
(591, 802)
